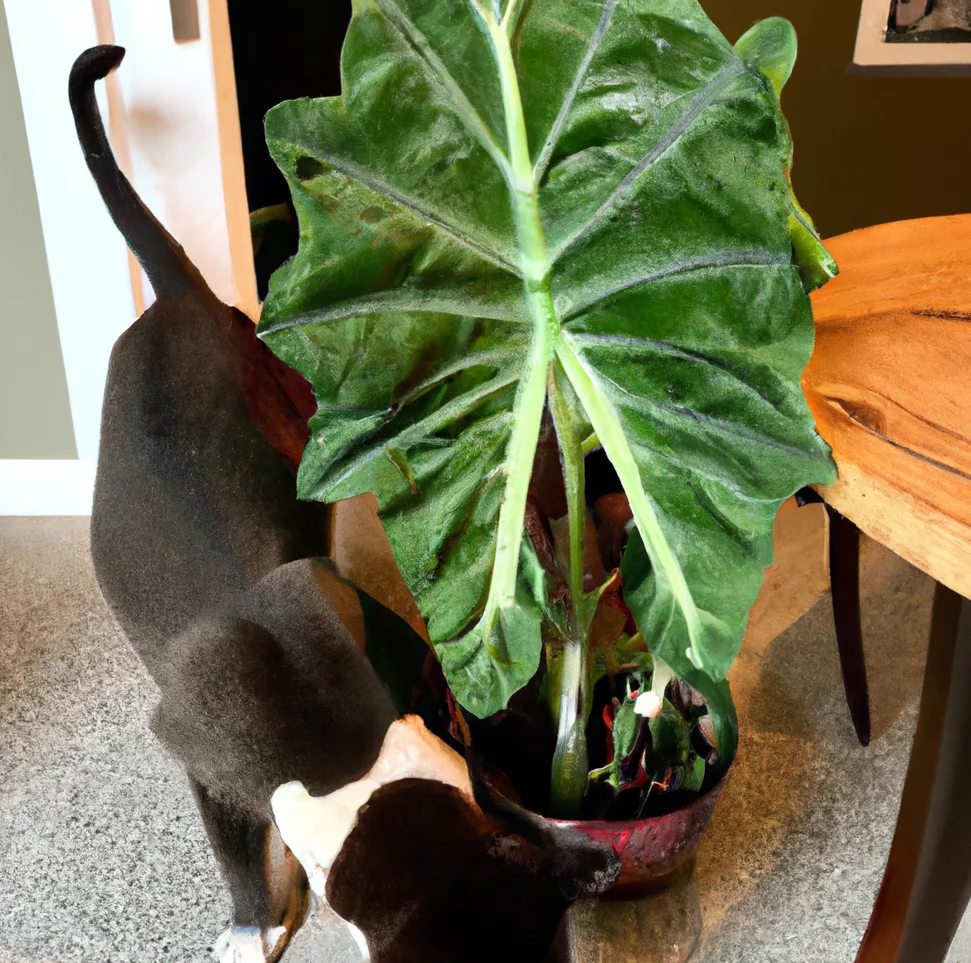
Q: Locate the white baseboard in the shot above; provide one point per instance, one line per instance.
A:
(46, 487)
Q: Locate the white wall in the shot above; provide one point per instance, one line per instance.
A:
(169, 113)
(86, 258)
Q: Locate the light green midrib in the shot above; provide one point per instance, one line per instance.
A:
(615, 444)
(531, 396)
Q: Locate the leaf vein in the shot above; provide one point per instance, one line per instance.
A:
(463, 107)
(757, 257)
(353, 172)
(394, 300)
(542, 162)
(730, 429)
(674, 351)
(641, 404)
(435, 421)
(691, 113)
(496, 357)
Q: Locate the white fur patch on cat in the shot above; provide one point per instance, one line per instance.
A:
(315, 827)
(247, 944)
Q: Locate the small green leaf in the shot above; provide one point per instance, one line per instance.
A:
(624, 659)
(770, 46)
(624, 734)
(721, 708)
(694, 775)
(670, 735)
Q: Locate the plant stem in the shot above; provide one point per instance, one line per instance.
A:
(511, 19)
(573, 478)
(590, 442)
(611, 434)
(531, 396)
(527, 417)
(570, 760)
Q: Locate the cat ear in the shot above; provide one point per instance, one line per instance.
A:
(512, 817)
(580, 866)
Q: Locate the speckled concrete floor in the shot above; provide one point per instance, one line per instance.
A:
(102, 857)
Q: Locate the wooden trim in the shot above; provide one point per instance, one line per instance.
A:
(231, 159)
(118, 134)
(876, 57)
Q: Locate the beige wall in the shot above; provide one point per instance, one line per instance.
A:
(868, 149)
(35, 415)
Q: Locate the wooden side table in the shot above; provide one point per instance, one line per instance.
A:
(890, 386)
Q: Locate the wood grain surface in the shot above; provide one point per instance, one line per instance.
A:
(889, 384)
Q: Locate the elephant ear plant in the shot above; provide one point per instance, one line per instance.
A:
(566, 212)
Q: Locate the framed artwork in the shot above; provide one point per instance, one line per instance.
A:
(914, 36)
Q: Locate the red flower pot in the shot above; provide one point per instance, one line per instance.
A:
(652, 851)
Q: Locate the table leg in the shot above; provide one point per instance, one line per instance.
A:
(927, 883)
(844, 577)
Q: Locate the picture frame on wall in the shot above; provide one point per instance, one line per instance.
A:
(914, 37)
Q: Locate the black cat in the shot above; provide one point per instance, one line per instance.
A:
(212, 568)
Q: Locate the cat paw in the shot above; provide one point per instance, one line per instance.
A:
(247, 944)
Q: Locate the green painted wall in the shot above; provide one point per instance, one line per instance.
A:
(35, 414)
(868, 149)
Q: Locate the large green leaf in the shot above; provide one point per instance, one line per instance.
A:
(604, 182)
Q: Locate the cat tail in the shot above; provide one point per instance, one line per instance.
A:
(169, 270)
